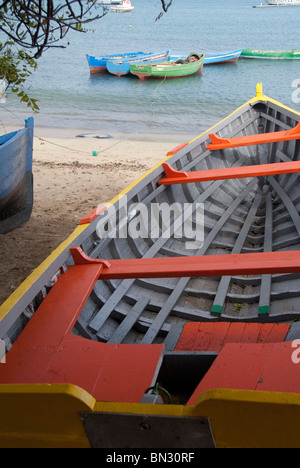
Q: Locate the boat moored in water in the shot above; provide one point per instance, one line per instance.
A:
(199, 309)
(97, 64)
(121, 67)
(124, 7)
(271, 54)
(212, 58)
(169, 69)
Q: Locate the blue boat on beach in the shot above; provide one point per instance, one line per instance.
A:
(97, 64)
(16, 179)
(121, 66)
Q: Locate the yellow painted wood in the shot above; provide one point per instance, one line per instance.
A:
(43, 416)
(251, 419)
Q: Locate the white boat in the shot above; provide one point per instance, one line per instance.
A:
(109, 2)
(124, 7)
(283, 2)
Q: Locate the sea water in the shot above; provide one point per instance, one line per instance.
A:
(70, 98)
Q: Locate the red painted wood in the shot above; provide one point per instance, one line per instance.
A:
(211, 336)
(178, 148)
(54, 319)
(178, 177)
(80, 258)
(280, 373)
(46, 352)
(109, 372)
(92, 215)
(207, 265)
(260, 366)
(208, 336)
(272, 137)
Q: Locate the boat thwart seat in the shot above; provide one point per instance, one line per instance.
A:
(266, 367)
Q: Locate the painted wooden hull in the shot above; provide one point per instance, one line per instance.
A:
(230, 56)
(16, 180)
(212, 58)
(170, 69)
(97, 64)
(214, 323)
(271, 54)
(122, 67)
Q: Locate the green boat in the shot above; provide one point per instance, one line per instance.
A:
(172, 69)
(271, 54)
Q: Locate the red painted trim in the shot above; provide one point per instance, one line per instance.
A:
(178, 148)
(80, 258)
(92, 215)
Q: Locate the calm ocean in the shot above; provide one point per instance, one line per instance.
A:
(69, 98)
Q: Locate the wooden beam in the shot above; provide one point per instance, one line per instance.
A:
(258, 139)
(179, 177)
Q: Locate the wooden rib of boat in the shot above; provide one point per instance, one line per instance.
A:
(16, 179)
(271, 54)
(139, 315)
(121, 67)
(171, 69)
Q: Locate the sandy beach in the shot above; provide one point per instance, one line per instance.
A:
(69, 181)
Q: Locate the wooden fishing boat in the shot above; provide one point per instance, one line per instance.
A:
(211, 58)
(121, 316)
(97, 64)
(171, 69)
(271, 54)
(121, 67)
(16, 179)
(229, 56)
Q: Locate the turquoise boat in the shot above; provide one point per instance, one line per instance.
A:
(211, 58)
(121, 67)
(97, 64)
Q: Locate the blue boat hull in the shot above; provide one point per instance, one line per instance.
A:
(16, 179)
(98, 64)
(122, 67)
(229, 56)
